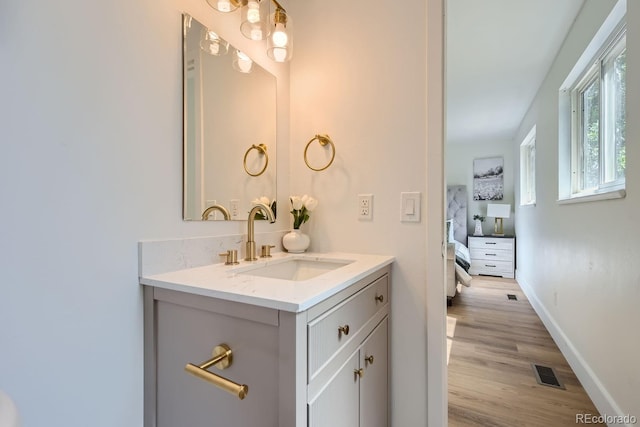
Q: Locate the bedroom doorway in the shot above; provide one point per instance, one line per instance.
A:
(497, 54)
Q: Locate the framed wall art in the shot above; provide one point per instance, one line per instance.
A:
(488, 178)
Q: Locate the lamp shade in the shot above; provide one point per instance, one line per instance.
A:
(495, 210)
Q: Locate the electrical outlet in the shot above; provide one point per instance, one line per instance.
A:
(213, 215)
(365, 207)
(234, 204)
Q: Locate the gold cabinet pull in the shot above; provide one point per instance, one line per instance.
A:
(358, 373)
(368, 360)
(222, 358)
(380, 298)
(343, 330)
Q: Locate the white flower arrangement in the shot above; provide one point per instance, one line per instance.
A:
(300, 209)
(265, 201)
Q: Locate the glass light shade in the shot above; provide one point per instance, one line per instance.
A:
(254, 22)
(213, 44)
(280, 41)
(242, 62)
(224, 5)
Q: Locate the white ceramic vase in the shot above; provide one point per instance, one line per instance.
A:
(478, 230)
(296, 241)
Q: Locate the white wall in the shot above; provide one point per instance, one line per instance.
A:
(459, 171)
(577, 262)
(91, 163)
(365, 86)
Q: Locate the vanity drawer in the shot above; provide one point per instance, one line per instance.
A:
(328, 333)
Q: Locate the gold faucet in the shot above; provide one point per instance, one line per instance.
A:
(225, 212)
(251, 244)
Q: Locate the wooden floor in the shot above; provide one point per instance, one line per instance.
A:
(493, 341)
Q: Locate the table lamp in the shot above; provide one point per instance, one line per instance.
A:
(498, 211)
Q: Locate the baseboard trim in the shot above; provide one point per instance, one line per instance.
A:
(601, 398)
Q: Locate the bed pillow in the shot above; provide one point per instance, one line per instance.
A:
(450, 238)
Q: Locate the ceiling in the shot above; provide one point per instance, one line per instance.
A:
(498, 53)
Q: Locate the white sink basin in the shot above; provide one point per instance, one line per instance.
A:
(296, 269)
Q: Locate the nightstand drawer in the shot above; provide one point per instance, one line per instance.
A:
(489, 242)
(491, 254)
(492, 268)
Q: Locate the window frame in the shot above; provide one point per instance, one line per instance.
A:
(528, 169)
(615, 45)
(612, 30)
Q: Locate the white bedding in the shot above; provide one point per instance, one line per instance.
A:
(462, 251)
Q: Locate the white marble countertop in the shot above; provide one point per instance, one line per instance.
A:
(231, 283)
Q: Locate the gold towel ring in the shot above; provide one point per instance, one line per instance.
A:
(262, 149)
(323, 140)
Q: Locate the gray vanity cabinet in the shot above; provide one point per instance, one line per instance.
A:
(301, 369)
(187, 329)
(374, 387)
(338, 404)
(357, 395)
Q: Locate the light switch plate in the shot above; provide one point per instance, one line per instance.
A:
(410, 206)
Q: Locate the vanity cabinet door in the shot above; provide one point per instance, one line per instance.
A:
(326, 337)
(188, 335)
(338, 404)
(374, 381)
(353, 399)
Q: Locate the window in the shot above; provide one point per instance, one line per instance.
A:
(592, 117)
(528, 169)
(598, 129)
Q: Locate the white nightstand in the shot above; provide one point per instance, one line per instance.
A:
(492, 255)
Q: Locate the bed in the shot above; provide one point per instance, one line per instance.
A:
(458, 257)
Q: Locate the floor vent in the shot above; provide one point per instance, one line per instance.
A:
(512, 297)
(546, 375)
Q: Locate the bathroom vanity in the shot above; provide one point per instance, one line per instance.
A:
(308, 336)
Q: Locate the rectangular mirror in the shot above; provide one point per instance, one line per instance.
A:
(229, 128)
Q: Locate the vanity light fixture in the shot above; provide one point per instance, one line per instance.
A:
(254, 16)
(211, 43)
(277, 30)
(280, 42)
(224, 5)
(242, 62)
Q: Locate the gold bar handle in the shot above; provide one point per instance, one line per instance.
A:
(221, 359)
